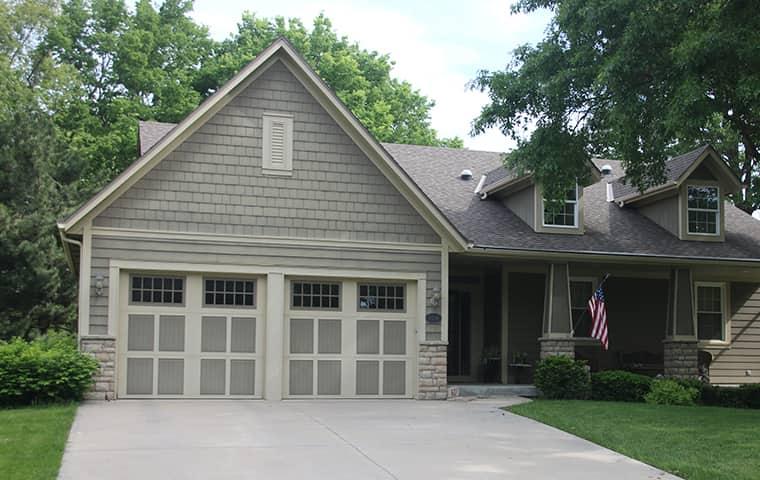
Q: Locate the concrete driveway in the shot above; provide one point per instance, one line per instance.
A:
(189, 439)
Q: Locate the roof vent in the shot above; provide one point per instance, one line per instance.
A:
(466, 174)
(606, 169)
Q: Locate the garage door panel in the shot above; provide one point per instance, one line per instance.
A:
(242, 377)
(141, 333)
(139, 376)
(213, 376)
(301, 377)
(171, 333)
(301, 335)
(368, 336)
(243, 335)
(367, 377)
(394, 377)
(171, 376)
(213, 334)
(394, 337)
(330, 337)
(329, 377)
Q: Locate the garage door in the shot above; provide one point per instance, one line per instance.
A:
(349, 338)
(190, 335)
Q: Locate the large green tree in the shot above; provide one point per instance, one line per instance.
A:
(636, 80)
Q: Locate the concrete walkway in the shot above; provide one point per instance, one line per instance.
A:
(228, 439)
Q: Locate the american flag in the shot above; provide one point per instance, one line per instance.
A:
(598, 311)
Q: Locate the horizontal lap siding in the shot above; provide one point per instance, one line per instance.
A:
(135, 249)
(729, 365)
(213, 182)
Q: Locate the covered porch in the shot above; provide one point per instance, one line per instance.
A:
(505, 315)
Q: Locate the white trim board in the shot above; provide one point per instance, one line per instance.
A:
(162, 235)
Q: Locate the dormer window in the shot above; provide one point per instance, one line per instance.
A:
(703, 210)
(567, 215)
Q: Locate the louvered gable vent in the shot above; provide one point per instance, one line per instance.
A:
(277, 144)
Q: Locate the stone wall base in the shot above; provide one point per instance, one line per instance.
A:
(431, 371)
(557, 346)
(681, 359)
(104, 351)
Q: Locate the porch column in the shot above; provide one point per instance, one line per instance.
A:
(557, 332)
(680, 346)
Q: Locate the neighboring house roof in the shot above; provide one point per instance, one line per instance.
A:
(609, 229)
(677, 169)
(279, 50)
(149, 133)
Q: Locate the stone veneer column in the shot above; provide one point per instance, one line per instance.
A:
(104, 351)
(431, 371)
(557, 346)
(680, 358)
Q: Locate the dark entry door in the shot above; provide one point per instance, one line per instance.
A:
(459, 333)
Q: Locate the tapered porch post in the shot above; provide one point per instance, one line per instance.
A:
(680, 347)
(557, 332)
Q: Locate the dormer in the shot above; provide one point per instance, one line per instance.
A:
(524, 197)
(690, 203)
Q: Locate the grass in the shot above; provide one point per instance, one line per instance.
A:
(32, 441)
(695, 443)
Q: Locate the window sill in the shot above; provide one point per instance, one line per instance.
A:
(719, 344)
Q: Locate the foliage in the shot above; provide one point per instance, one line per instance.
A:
(48, 369)
(33, 440)
(670, 392)
(631, 79)
(745, 396)
(77, 75)
(698, 443)
(619, 385)
(561, 377)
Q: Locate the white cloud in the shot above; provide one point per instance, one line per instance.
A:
(438, 48)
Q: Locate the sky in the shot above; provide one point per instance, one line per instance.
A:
(437, 46)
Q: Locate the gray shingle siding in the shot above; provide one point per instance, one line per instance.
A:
(212, 183)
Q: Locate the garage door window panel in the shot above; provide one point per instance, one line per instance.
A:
(382, 297)
(229, 292)
(315, 295)
(157, 290)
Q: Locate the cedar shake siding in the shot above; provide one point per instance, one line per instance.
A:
(213, 182)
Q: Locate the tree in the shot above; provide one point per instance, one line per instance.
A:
(631, 79)
(391, 109)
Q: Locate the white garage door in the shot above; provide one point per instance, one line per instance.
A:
(190, 335)
(349, 338)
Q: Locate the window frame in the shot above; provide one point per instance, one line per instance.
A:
(718, 211)
(232, 279)
(576, 212)
(163, 276)
(381, 284)
(291, 293)
(594, 284)
(725, 316)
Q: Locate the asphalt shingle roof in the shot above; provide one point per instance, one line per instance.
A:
(674, 168)
(488, 223)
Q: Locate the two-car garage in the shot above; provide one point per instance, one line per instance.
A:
(196, 335)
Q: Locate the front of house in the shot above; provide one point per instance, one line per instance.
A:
(269, 247)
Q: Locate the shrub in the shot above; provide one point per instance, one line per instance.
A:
(561, 377)
(670, 392)
(745, 396)
(48, 369)
(619, 386)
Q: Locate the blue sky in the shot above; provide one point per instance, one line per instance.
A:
(437, 46)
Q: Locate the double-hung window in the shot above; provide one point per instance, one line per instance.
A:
(567, 215)
(703, 210)
(711, 311)
(581, 290)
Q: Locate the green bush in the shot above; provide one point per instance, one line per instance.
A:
(745, 396)
(670, 392)
(45, 370)
(619, 386)
(561, 377)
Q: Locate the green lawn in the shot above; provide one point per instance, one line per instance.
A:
(693, 442)
(32, 441)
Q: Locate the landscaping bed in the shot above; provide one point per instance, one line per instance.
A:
(695, 443)
(32, 440)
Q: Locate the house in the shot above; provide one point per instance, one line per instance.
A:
(269, 247)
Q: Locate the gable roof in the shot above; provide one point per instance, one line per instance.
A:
(610, 230)
(677, 170)
(279, 50)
